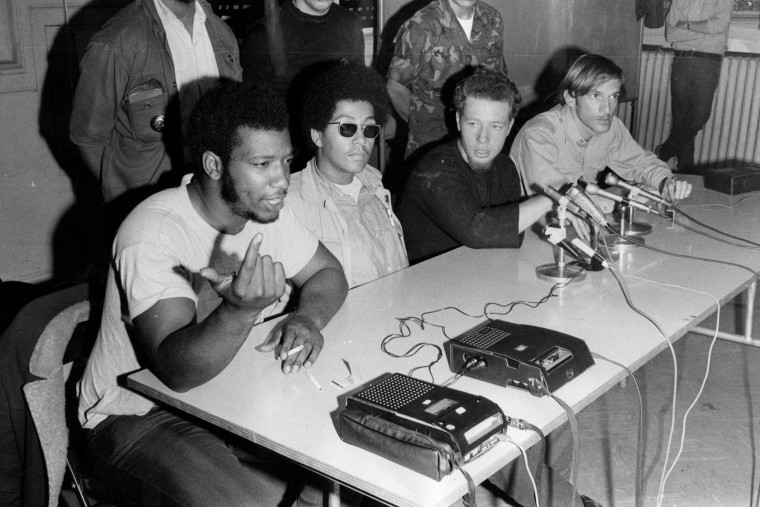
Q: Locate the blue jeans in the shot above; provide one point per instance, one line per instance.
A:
(163, 458)
(693, 81)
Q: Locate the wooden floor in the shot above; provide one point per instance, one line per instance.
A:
(720, 462)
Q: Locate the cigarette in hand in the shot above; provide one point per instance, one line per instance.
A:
(295, 350)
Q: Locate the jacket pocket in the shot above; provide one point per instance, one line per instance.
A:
(146, 107)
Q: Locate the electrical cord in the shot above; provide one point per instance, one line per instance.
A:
(752, 246)
(505, 438)
(639, 435)
(530, 304)
(624, 287)
(665, 475)
(525, 425)
(739, 238)
(685, 256)
(573, 420)
(405, 331)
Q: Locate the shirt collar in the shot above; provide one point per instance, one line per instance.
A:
(312, 180)
(167, 16)
(450, 17)
(570, 128)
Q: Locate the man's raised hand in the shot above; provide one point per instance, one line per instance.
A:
(257, 284)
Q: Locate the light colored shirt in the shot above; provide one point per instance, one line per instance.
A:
(195, 68)
(158, 254)
(717, 13)
(466, 26)
(548, 150)
(363, 234)
(352, 189)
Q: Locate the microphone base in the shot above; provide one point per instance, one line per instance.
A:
(558, 274)
(618, 244)
(634, 228)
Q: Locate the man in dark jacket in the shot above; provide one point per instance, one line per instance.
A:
(467, 192)
(141, 76)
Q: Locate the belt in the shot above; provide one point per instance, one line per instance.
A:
(690, 53)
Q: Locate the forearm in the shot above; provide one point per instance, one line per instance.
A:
(322, 295)
(532, 210)
(195, 354)
(92, 157)
(401, 98)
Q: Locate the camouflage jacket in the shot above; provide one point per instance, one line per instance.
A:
(429, 49)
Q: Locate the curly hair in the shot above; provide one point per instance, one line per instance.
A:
(354, 83)
(487, 84)
(220, 112)
(587, 72)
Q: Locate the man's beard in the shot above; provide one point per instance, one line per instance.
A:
(231, 196)
(480, 167)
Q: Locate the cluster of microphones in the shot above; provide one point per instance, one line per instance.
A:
(577, 199)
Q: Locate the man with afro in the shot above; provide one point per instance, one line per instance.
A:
(338, 196)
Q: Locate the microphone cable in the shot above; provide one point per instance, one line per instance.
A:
(665, 475)
(405, 332)
(624, 288)
(573, 420)
(752, 245)
(530, 304)
(505, 438)
(639, 435)
(522, 424)
(683, 256)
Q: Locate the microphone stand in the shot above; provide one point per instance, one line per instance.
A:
(627, 227)
(560, 271)
(594, 264)
(632, 228)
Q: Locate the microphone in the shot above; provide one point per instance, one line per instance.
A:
(586, 248)
(581, 198)
(564, 201)
(556, 237)
(594, 189)
(613, 179)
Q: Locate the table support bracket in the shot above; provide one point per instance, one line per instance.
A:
(334, 494)
(746, 338)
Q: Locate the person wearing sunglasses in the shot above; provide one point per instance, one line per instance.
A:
(338, 196)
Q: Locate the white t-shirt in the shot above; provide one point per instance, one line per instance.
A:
(467, 26)
(158, 254)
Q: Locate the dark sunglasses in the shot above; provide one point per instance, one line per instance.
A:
(349, 129)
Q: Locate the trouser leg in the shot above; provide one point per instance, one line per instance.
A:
(162, 458)
(693, 82)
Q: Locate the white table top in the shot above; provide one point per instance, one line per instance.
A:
(286, 413)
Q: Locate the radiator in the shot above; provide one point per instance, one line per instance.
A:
(731, 136)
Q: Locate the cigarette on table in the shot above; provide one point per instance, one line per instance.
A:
(313, 380)
(295, 350)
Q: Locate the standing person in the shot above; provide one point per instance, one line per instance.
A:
(698, 32)
(194, 269)
(581, 136)
(311, 32)
(339, 196)
(435, 44)
(141, 76)
(299, 38)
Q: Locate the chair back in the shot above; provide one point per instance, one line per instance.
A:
(46, 397)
